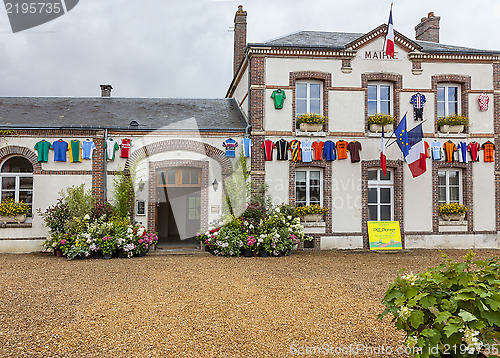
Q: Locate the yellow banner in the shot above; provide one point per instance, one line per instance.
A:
(384, 235)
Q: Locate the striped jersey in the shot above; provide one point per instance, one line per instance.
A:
(295, 150)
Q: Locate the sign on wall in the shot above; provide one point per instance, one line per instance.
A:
(384, 235)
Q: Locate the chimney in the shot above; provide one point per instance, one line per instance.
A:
(106, 90)
(240, 37)
(428, 29)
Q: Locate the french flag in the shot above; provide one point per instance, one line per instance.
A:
(389, 37)
(416, 155)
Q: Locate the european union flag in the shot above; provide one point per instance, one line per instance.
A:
(402, 137)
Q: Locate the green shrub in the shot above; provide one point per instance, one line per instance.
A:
(452, 308)
(79, 201)
(123, 192)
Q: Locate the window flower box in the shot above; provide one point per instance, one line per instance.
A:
(312, 213)
(311, 122)
(452, 212)
(377, 128)
(12, 211)
(452, 124)
(13, 219)
(312, 217)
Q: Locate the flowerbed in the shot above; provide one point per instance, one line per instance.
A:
(273, 232)
(82, 228)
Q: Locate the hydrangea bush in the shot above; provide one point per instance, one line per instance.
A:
(274, 232)
(452, 310)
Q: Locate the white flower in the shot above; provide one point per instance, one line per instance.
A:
(411, 341)
(410, 278)
(86, 217)
(89, 241)
(261, 240)
(404, 312)
(470, 337)
(207, 233)
(289, 217)
(251, 226)
(277, 236)
(54, 244)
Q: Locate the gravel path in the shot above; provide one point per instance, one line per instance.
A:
(201, 306)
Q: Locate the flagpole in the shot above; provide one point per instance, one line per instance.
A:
(385, 37)
(387, 146)
(393, 131)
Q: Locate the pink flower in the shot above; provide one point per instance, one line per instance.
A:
(104, 238)
(293, 237)
(63, 241)
(141, 241)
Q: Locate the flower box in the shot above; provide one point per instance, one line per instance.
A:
(451, 129)
(311, 127)
(453, 217)
(377, 128)
(13, 219)
(312, 217)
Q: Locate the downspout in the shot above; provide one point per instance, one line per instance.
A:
(105, 179)
(247, 117)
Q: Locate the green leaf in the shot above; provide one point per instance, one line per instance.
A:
(442, 316)
(428, 301)
(492, 317)
(482, 306)
(412, 291)
(449, 329)
(416, 318)
(464, 296)
(392, 294)
(433, 310)
(494, 304)
(467, 316)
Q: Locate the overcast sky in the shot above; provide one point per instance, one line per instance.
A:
(182, 48)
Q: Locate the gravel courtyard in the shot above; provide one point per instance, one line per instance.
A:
(201, 306)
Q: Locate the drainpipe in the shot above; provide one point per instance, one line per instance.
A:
(105, 189)
(247, 129)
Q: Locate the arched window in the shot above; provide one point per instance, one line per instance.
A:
(17, 180)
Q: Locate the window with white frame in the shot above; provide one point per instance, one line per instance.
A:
(449, 186)
(379, 98)
(308, 187)
(448, 99)
(380, 195)
(17, 180)
(308, 98)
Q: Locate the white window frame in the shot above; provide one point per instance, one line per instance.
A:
(447, 185)
(308, 182)
(17, 185)
(391, 94)
(446, 99)
(140, 204)
(379, 184)
(308, 96)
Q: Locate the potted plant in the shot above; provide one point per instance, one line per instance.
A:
(452, 211)
(13, 211)
(311, 122)
(380, 120)
(311, 212)
(452, 124)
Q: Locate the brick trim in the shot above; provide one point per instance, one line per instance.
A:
(182, 145)
(14, 150)
(324, 77)
(152, 197)
(467, 192)
(397, 168)
(397, 84)
(465, 86)
(326, 167)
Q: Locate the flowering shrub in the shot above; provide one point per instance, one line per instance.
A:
(311, 118)
(381, 119)
(10, 207)
(310, 209)
(453, 120)
(275, 233)
(453, 308)
(452, 209)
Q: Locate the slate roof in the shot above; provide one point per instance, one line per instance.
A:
(117, 113)
(338, 41)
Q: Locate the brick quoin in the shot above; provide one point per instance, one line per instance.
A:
(496, 117)
(98, 169)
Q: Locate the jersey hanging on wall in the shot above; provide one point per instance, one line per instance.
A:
(354, 148)
(318, 149)
(295, 150)
(88, 147)
(329, 151)
(60, 147)
(282, 146)
(111, 147)
(268, 147)
(126, 146)
(247, 144)
(75, 151)
(418, 101)
(489, 152)
(306, 147)
(342, 149)
(449, 148)
(437, 152)
(462, 152)
(230, 144)
(279, 97)
(474, 148)
(42, 148)
(483, 100)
